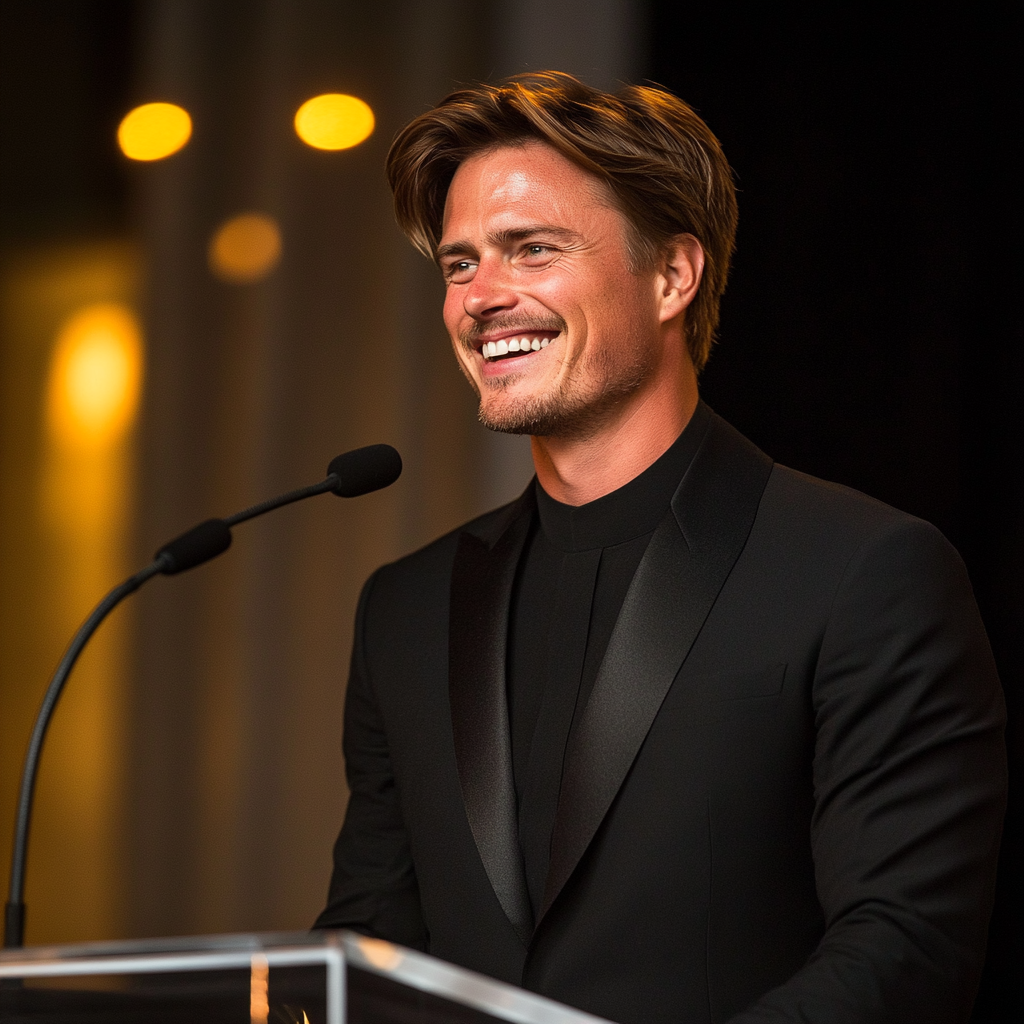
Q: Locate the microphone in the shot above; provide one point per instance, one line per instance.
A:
(348, 476)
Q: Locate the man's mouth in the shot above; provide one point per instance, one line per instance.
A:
(518, 345)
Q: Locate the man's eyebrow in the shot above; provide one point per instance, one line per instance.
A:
(500, 238)
(509, 236)
(453, 249)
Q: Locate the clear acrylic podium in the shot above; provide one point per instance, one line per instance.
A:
(308, 978)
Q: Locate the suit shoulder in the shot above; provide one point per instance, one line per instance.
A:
(810, 498)
(824, 523)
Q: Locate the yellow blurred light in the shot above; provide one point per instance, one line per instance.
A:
(245, 248)
(334, 121)
(95, 375)
(153, 131)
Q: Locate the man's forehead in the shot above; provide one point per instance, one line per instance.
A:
(531, 180)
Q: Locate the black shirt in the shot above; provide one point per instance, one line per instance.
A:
(576, 567)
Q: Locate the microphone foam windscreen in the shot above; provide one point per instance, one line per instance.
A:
(365, 469)
(198, 545)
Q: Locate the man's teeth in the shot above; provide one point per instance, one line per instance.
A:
(492, 349)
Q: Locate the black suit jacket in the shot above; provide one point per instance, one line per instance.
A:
(784, 798)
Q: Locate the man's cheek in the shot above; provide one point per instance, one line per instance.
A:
(466, 366)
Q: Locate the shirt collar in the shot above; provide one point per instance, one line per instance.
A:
(633, 510)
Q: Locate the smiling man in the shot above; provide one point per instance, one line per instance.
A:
(680, 734)
(561, 335)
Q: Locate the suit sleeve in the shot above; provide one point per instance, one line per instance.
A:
(373, 886)
(909, 790)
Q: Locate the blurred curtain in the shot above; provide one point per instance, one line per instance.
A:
(237, 785)
(240, 667)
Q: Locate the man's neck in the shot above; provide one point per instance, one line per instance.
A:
(576, 471)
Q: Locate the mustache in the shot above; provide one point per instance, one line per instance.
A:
(520, 324)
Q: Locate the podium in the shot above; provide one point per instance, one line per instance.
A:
(307, 978)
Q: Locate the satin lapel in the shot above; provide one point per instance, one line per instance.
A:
(685, 566)
(481, 594)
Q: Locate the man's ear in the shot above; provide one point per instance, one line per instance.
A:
(680, 269)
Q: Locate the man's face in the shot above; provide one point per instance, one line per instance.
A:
(550, 325)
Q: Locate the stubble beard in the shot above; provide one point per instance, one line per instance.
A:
(578, 405)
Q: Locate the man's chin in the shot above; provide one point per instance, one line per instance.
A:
(560, 419)
(505, 413)
(505, 419)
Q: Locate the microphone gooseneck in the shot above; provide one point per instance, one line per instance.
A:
(14, 912)
(349, 475)
(198, 545)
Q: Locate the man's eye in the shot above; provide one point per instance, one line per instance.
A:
(537, 254)
(461, 271)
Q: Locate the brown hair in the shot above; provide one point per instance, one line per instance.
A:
(663, 166)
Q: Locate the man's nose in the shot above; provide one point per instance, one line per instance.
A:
(491, 291)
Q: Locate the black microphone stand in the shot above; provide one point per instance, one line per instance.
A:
(368, 469)
(14, 911)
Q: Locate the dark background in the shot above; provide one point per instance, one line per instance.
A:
(67, 72)
(871, 332)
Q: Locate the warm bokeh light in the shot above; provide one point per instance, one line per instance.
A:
(334, 121)
(95, 375)
(245, 248)
(153, 131)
